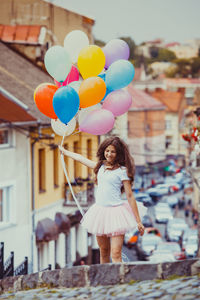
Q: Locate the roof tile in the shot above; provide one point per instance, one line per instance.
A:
(170, 99)
(8, 33)
(12, 112)
(34, 32)
(142, 100)
(20, 33)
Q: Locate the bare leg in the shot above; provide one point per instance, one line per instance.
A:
(104, 245)
(116, 248)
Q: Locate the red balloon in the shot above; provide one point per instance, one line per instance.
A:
(72, 76)
(43, 97)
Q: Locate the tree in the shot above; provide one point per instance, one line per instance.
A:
(183, 67)
(195, 67)
(99, 43)
(166, 55)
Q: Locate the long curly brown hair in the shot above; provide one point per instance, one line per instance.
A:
(123, 156)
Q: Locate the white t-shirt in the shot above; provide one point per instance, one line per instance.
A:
(108, 191)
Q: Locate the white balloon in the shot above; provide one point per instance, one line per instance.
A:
(74, 42)
(82, 114)
(75, 85)
(61, 129)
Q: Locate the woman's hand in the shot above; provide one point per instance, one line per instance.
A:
(141, 228)
(62, 149)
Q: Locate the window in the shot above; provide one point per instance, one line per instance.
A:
(55, 167)
(42, 181)
(168, 124)
(89, 155)
(5, 138)
(168, 141)
(5, 204)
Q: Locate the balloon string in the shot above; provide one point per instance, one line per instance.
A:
(68, 181)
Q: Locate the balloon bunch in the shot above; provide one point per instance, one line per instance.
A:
(93, 100)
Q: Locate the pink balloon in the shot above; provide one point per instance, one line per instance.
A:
(99, 121)
(72, 76)
(118, 102)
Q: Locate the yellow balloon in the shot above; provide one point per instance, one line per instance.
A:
(91, 61)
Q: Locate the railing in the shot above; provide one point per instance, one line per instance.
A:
(47, 269)
(22, 269)
(7, 268)
(1, 259)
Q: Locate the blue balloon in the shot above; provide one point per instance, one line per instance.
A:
(107, 92)
(66, 103)
(119, 74)
(102, 75)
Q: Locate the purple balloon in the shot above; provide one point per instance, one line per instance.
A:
(114, 50)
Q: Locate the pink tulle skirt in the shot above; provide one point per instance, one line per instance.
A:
(111, 220)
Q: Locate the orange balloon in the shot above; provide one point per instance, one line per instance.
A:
(91, 91)
(43, 97)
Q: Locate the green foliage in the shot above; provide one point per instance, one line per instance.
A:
(195, 66)
(99, 43)
(166, 55)
(183, 67)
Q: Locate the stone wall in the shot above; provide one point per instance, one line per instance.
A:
(105, 274)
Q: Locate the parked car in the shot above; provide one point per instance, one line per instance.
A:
(159, 189)
(175, 229)
(163, 215)
(161, 256)
(191, 247)
(147, 221)
(174, 248)
(153, 230)
(144, 198)
(174, 185)
(162, 205)
(146, 244)
(131, 238)
(163, 212)
(172, 201)
(189, 233)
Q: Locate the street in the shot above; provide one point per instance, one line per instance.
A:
(130, 254)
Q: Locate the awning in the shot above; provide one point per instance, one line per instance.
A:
(46, 230)
(63, 222)
(75, 217)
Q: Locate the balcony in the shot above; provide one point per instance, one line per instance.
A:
(83, 190)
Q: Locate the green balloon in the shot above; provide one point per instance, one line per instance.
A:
(57, 62)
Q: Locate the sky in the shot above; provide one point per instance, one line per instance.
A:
(142, 20)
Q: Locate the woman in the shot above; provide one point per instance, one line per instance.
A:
(111, 217)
